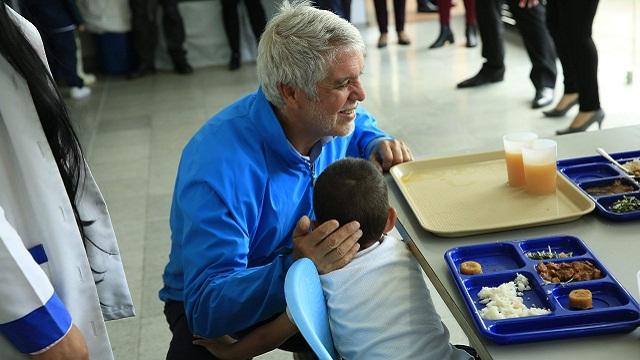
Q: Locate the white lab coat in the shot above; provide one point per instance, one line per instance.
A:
(35, 210)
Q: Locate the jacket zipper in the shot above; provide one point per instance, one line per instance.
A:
(313, 172)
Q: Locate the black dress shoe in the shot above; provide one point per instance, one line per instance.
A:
(182, 67)
(543, 98)
(427, 6)
(234, 62)
(445, 36)
(597, 116)
(141, 71)
(560, 112)
(472, 35)
(482, 78)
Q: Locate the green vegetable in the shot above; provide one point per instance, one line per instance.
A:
(626, 204)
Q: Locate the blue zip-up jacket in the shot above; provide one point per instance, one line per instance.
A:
(240, 190)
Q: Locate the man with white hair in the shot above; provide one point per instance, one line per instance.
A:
(244, 187)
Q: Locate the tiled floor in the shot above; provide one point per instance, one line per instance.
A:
(133, 132)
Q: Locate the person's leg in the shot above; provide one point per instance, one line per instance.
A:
(334, 6)
(346, 9)
(231, 24)
(471, 28)
(565, 48)
(399, 12)
(380, 7)
(181, 346)
(531, 23)
(583, 13)
(399, 8)
(63, 60)
(444, 12)
(174, 34)
(381, 16)
(232, 30)
(469, 12)
(48, 40)
(445, 35)
(580, 16)
(559, 30)
(491, 34)
(145, 33)
(257, 17)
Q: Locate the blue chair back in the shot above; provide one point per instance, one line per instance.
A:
(307, 307)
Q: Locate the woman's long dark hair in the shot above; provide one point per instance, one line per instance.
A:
(52, 111)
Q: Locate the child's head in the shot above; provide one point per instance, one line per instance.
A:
(353, 189)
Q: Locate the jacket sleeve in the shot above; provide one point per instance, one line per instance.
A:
(222, 295)
(32, 317)
(366, 135)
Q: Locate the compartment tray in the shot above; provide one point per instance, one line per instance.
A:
(582, 170)
(614, 310)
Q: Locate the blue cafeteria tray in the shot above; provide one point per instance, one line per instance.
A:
(614, 310)
(590, 171)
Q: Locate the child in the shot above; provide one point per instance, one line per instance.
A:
(378, 305)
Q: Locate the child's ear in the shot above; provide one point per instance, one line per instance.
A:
(392, 215)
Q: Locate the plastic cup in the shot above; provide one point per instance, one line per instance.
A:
(513, 145)
(539, 161)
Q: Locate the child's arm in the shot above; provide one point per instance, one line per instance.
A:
(259, 341)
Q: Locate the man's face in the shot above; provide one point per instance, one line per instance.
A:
(333, 112)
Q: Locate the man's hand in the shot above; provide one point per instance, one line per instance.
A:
(71, 347)
(330, 246)
(390, 152)
(529, 3)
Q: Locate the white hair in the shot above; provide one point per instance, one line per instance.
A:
(297, 47)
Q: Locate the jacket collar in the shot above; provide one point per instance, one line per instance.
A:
(267, 123)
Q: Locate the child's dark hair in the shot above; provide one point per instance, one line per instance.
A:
(353, 189)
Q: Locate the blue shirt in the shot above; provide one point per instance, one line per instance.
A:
(240, 190)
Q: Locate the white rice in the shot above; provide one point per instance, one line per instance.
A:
(505, 301)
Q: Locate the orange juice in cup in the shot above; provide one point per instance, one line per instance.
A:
(513, 145)
(539, 161)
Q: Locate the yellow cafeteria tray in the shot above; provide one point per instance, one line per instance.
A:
(469, 194)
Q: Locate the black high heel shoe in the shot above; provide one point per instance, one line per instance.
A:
(445, 36)
(561, 112)
(471, 32)
(597, 116)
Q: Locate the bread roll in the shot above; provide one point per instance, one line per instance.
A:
(470, 268)
(580, 299)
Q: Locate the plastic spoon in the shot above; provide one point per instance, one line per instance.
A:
(616, 163)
